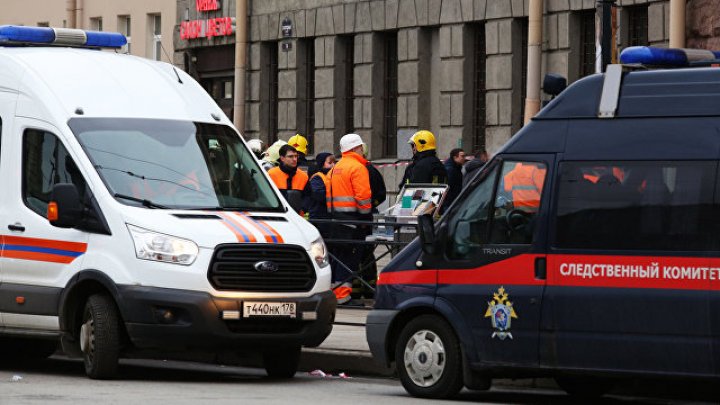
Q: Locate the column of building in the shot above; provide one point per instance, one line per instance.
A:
(501, 64)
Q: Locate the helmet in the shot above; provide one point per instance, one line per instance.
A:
(299, 142)
(272, 154)
(350, 141)
(423, 140)
(255, 145)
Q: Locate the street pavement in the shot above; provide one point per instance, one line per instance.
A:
(346, 349)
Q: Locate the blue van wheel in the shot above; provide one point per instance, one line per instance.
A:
(428, 358)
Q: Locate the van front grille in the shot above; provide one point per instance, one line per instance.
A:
(233, 268)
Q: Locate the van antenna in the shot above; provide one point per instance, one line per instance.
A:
(170, 61)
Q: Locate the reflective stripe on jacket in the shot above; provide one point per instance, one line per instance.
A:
(525, 182)
(280, 178)
(348, 187)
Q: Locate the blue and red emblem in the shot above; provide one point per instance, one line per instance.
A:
(500, 311)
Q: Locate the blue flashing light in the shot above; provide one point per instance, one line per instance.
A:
(674, 57)
(105, 39)
(60, 36)
(38, 35)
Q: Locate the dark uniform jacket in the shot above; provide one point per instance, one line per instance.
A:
(455, 181)
(425, 168)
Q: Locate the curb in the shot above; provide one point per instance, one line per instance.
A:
(351, 362)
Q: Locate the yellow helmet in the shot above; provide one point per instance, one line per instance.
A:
(423, 140)
(299, 143)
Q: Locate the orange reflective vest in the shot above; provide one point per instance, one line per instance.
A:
(525, 182)
(348, 186)
(281, 179)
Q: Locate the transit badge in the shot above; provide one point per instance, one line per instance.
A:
(500, 310)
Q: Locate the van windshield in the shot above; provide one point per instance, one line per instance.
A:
(175, 164)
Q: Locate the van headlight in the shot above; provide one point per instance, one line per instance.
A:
(319, 252)
(162, 248)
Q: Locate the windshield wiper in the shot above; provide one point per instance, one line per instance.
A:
(144, 202)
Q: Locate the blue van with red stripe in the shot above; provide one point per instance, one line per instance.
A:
(586, 250)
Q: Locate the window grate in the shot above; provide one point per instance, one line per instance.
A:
(638, 26)
(270, 69)
(479, 89)
(524, 32)
(349, 65)
(307, 127)
(587, 43)
(390, 96)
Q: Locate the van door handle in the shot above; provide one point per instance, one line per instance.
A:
(17, 227)
(540, 268)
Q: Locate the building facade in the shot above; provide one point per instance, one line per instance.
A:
(385, 68)
(148, 24)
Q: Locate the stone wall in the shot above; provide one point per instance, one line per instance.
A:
(703, 22)
(435, 46)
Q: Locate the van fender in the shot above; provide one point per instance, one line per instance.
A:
(462, 330)
(79, 287)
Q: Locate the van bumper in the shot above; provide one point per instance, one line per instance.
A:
(166, 319)
(376, 331)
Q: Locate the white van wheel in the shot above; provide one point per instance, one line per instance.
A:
(99, 337)
(428, 358)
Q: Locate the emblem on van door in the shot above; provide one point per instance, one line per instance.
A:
(500, 311)
(266, 267)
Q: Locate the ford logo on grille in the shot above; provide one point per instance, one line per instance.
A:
(266, 267)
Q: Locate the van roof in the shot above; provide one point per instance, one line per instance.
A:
(693, 92)
(661, 114)
(102, 84)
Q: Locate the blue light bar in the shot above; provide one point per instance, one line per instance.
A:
(60, 36)
(672, 57)
(105, 39)
(35, 35)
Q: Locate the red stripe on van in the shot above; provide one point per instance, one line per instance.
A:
(45, 243)
(665, 272)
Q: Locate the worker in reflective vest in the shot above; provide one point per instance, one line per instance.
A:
(349, 197)
(525, 183)
(293, 183)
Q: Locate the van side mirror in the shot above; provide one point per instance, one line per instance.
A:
(426, 228)
(65, 208)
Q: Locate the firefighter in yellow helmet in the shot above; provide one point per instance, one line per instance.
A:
(425, 166)
(300, 143)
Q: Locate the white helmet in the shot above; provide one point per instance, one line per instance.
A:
(350, 141)
(255, 145)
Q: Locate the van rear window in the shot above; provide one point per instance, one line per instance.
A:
(636, 206)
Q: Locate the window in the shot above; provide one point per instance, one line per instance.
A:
(124, 28)
(175, 164)
(469, 221)
(587, 43)
(478, 128)
(636, 206)
(46, 162)
(390, 95)
(637, 26)
(306, 48)
(43, 24)
(505, 214)
(96, 24)
(156, 36)
(347, 67)
(228, 89)
(524, 28)
(269, 90)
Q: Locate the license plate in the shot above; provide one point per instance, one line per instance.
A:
(279, 309)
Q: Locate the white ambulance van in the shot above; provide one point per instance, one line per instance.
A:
(136, 220)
